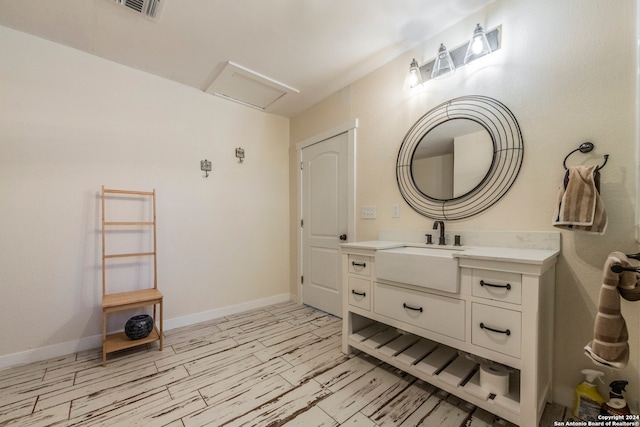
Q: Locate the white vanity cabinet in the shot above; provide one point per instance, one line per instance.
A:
(503, 313)
(359, 281)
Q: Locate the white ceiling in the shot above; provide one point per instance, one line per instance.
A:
(315, 46)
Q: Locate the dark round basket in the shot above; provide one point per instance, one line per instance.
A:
(139, 326)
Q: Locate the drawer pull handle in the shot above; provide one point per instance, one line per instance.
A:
(412, 308)
(507, 332)
(362, 294)
(507, 286)
(359, 264)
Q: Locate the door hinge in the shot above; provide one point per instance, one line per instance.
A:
(301, 279)
(302, 223)
(301, 166)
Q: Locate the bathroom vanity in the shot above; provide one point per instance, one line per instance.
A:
(500, 311)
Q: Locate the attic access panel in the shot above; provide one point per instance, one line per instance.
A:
(245, 86)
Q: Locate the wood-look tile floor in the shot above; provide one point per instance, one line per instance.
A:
(279, 365)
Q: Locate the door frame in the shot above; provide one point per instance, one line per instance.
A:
(349, 128)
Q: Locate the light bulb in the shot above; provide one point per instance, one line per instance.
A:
(476, 45)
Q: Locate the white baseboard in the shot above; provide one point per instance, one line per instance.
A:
(224, 311)
(95, 341)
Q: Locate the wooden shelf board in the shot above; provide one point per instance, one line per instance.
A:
(129, 255)
(128, 223)
(120, 341)
(131, 298)
(133, 192)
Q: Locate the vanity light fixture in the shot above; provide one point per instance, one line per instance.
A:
(446, 61)
(443, 66)
(478, 45)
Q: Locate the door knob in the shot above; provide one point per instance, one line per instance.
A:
(343, 237)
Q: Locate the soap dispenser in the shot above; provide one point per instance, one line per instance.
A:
(588, 402)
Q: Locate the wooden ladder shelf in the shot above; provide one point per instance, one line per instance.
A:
(147, 297)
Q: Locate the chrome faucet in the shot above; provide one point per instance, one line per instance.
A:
(441, 241)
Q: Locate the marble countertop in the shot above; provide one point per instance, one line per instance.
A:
(520, 255)
(375, 245)
(524, 256)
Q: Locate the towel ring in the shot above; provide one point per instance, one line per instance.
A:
(585, 147)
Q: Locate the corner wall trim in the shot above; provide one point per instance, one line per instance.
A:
(95, 341)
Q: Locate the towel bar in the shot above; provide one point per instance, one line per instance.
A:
(617, 268)
(634, 256)
(585, 147)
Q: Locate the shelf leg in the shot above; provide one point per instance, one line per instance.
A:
(104, 339)
(161, 334)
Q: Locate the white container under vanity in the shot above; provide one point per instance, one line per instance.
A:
(499, 314)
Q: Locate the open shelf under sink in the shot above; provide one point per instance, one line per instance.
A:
(438, 364)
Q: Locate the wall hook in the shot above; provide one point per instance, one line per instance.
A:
(205, 165)
(240, 154)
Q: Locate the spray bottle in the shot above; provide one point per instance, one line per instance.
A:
(616, 404)
(588, 402)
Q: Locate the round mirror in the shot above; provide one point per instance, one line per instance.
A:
(460, 158)
(452, 159)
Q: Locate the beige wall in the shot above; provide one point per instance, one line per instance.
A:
(70, 122)
(566, 70)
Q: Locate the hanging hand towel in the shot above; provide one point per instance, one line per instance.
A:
(609, 346)
(579, 205)
(628, 287)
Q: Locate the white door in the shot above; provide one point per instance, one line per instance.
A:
(324, 216)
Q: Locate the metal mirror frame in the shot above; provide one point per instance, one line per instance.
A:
(508, 153)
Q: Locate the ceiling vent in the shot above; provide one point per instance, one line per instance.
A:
(149, 8)
(247, 87)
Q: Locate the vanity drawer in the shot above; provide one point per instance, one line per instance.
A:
(359, 293)
(497, 285)
(359, 264)
(497, 329)
(433, 312)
